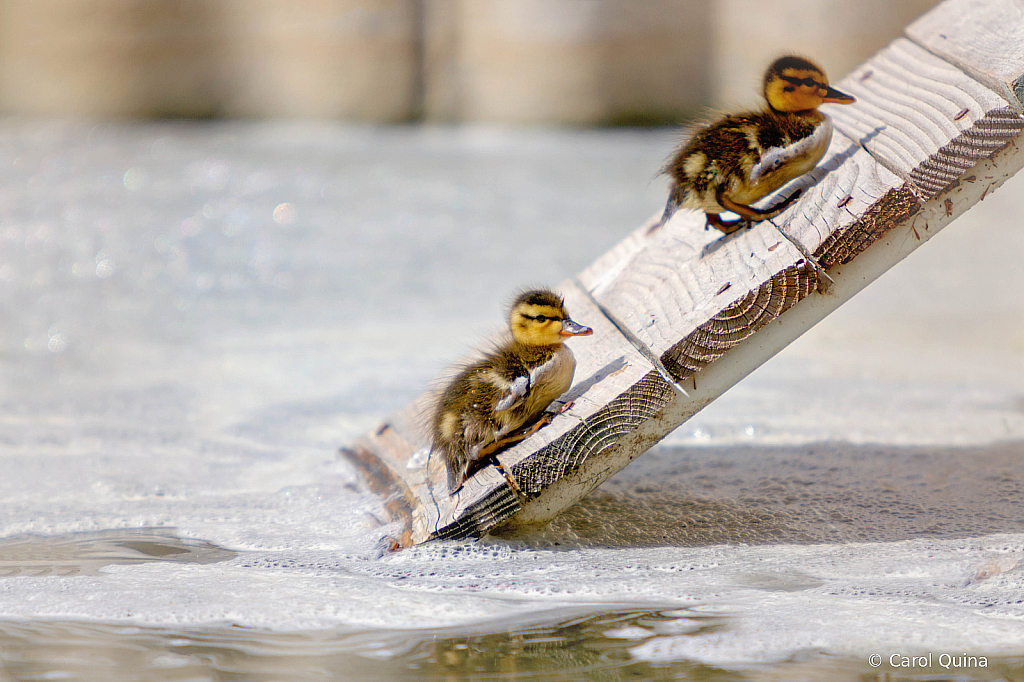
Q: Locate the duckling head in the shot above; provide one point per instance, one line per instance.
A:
(538, 318)
(796, 85)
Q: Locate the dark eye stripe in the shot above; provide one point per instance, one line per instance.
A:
(540, 318)
(809, 82)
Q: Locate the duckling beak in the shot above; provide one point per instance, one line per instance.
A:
(570, 328)
(835, 97)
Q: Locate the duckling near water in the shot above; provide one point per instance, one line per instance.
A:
(488, 402)
(733, 162)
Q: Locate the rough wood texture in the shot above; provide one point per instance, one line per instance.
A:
(739, 320)
(985, 38)
(683, 314)
(923, 118)
(919, 125)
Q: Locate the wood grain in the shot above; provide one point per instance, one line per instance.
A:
(683, 275)
(739, 320)
(919, 124)
(985, 38)
(923, 118)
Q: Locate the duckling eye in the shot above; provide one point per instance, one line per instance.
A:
(542, 318)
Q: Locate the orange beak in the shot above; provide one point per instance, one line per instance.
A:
(570, 328)
(833, 96)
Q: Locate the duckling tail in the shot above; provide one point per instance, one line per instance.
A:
(671, 206)
(458, 472)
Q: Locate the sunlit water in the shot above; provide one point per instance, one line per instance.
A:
(197, 317)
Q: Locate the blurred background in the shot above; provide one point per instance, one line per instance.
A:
(575, 62)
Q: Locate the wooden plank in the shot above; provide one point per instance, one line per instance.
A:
(923, 118)
(682, 275)
(985, 38)
(682, 314)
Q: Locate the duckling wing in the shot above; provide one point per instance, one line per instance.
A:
(520, 388)
(552, 367)
(517, 390)
(801, 152)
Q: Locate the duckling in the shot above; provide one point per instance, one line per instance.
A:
(486, 406)
(741, 158)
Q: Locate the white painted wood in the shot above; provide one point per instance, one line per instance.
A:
(985, 38)
(682, 275)
(910, 104)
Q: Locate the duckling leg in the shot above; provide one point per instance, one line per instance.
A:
(726, 226)
(752, 214)
(487, 455)
(515, 436)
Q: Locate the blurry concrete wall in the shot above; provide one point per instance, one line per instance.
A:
(349, 59)
(567, 61)
(107, 57)
(838, 35)
(517, 61)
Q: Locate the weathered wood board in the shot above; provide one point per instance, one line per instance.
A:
(983, 38)
(682, 314)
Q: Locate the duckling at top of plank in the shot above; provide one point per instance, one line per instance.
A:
(734, 162)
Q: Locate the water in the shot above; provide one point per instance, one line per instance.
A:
(197, 316)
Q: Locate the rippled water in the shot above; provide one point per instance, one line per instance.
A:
(86, 553)
(196, 317)
(561, 648)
